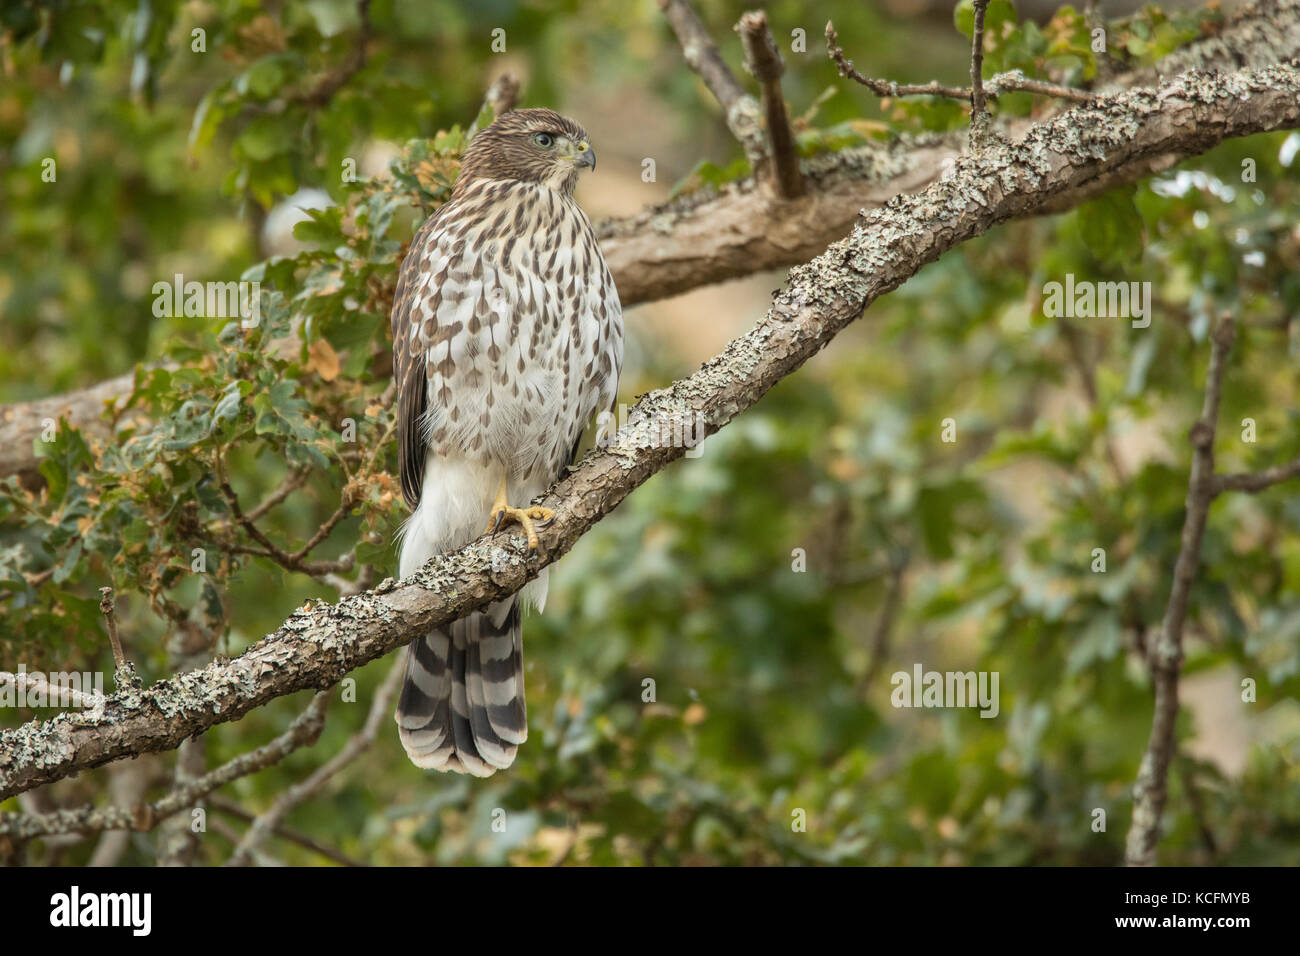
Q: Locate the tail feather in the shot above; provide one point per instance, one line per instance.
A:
(424, 708)
(490, 746)
(462, 706)
(500, 667)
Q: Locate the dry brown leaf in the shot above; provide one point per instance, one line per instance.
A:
(323, 360)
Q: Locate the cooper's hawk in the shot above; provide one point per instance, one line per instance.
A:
(507, 339)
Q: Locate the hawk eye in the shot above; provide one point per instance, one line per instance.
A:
(544, 140)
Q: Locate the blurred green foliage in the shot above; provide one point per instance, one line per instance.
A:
(771, 683)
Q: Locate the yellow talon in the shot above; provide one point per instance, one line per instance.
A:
(501, 512)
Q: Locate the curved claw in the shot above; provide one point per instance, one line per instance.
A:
(525, 518)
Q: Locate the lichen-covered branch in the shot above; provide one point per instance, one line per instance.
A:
(303, 731)
(319, 644)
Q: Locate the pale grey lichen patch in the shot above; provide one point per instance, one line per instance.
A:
(745, 119)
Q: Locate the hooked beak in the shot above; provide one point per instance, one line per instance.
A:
(584, 155)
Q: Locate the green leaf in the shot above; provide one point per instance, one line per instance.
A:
(999, 12)
(1112, 227)
(264, 78)
(207, 119)
(264, 138)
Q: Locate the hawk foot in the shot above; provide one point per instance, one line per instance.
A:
(502, 512)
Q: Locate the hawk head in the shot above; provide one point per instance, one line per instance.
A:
(530, 146)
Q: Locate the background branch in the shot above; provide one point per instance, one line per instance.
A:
(1254, 482)
(1013, 81)
(1165, 654)
(324, 90)
(270, 821)
(739, 108)
(230, 808)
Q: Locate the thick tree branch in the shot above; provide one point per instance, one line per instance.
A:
(1165, 655)
(318, 645)
(22, 424)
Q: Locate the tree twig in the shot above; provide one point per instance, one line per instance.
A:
(1188, 778)
(272, 551)
(1013, 81)
(1255, 482)
(324, 90)
(979, 112)
(884, 628)
(347, 498)
(764, 61)
(1088, 379)
(740, 108)
(233, 809)
(292, 482)
(231, 835)
(110, 616)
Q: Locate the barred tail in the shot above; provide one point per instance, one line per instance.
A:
(462, 706)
